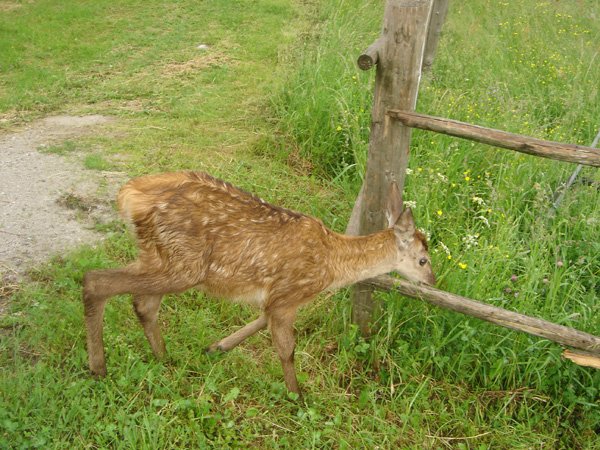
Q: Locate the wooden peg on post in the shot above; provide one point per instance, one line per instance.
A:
(398, 55)
(370, 56)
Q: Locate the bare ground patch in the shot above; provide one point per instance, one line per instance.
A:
(48, 203)
(9, 6)
(200, 62)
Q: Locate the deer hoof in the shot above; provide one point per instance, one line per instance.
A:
(214, 348)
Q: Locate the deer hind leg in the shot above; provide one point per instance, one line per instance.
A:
(146, 308)
(239, 336)
(99, 286)
(281, 322)
(94, 301)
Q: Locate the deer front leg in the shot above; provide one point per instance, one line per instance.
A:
(281, 322)
(240, 335)
(146, 308)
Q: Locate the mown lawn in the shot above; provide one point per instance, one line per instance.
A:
(276, 105)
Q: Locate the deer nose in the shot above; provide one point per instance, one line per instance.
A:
(431, 280)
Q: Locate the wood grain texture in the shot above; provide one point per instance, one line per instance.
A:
(499, 316)
(582, 358)
(438, 17)
(547, 149)
(400, 55)
(370, 56)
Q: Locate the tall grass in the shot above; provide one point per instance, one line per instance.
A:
(325, 104)
(525, 67)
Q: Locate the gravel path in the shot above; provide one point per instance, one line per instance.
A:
(36, 190)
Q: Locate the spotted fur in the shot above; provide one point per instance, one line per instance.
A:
(194, 230)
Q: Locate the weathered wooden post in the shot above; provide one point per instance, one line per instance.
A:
(398, 55)
(438, 17)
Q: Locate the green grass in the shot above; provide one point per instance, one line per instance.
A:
(276, 105)
(96, 162)
(64, 148)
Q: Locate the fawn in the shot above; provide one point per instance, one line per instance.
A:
(194, 230)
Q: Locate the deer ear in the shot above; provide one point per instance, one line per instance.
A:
(393, 209)
(406, 222)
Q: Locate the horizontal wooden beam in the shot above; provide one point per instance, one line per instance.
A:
(554, 150)
(582, 358)
(499, 316)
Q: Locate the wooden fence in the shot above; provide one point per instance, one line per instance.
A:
(405, 48)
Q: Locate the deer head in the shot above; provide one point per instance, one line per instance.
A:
(412, 260)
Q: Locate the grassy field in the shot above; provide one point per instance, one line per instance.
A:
(277, 106)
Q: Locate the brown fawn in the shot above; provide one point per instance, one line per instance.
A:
(194, 230)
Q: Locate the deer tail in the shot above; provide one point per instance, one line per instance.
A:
(140, 196)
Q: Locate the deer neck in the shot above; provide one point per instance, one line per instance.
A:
(357, 258)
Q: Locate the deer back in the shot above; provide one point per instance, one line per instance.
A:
(226, 241)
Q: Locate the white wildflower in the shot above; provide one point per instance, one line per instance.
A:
(446, 249)
(470, 240)
(408, 171)
(484, 220)
(410, 204)
(478, 200)
(426, 233)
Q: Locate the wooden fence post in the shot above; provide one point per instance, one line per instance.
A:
(398, 54)
(438, 17)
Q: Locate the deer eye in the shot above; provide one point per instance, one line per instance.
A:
(422, 261)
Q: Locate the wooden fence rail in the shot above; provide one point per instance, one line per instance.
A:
(499, 316)
(554, 150)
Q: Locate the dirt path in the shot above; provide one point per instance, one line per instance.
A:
(48, 202)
